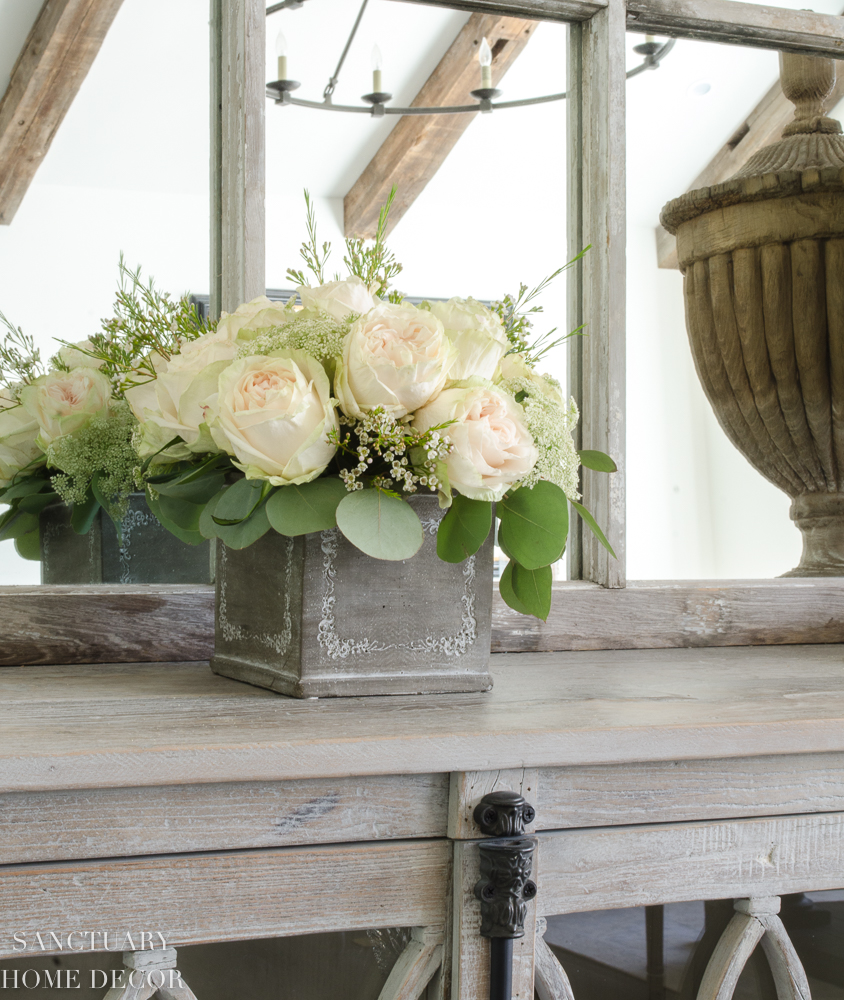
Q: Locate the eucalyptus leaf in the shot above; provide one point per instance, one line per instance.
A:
(300, 510)
(464, 528)
(184, 535)
(527, 591)
(83, 514)
(29, 545)
(20, 523)
(380, 525)
(180, 512)
(207, 525)
(240, 500)
(597, 461)
(534, 524)
(33, 484)
(593, 525)
(194, 491)
(244, 533)
(36, 502)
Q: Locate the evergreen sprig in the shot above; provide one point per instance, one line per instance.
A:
(310, 252)
(20, 359)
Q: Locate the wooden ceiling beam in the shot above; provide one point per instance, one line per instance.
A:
(419, 144)
(55, 60)
(761, 127)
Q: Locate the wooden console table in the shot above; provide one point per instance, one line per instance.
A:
(159, 795)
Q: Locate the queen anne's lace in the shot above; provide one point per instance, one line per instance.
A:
(551, 423)
(319, 335)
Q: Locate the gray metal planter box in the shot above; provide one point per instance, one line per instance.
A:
(149, 554)
(314, 617)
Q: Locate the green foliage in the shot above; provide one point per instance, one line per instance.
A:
(188, 535)
(240, 500)
(83, 513)
(146, 322)
(464, 528)
(593, 527)
(515, 316)
(239, 535)
(29, 545)
(374, 264)
(26, 500)
(597, 460)
(534, 525)
(20, 359)
(527, 591)
(380, 524)
(299, 510)
(310, 252)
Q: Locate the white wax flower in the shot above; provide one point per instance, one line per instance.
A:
(274, 414)
(493, 448)
(64, 402)
(339, 298)
(476, 333)
(397, 357)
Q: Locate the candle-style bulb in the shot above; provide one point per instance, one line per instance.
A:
(281, 52)
(377, 63)
(485, 59)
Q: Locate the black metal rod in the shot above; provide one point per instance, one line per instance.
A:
(500, 968)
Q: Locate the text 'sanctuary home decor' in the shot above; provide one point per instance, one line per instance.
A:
(351, 454)
(70, 472)
(763, 262)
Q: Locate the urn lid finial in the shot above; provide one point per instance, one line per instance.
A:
(808, 82)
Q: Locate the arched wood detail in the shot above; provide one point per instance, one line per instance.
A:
(755, 920)
(416, 965)
(550, 979)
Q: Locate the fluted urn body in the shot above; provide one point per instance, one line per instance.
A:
(763, 262)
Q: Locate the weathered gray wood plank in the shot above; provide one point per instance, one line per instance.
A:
(120, 822)
(228, 896)
(164, 724)
(741, 24)
(643, 865)
(105, 624)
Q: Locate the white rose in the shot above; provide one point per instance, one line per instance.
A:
(259, 314)
(514, 366)
(18, 433)
(274, 414)
(75, 357)
(397, 357)
(178, 401)
(65, 402)
(477, 334)
(493, 448)
(339, 298)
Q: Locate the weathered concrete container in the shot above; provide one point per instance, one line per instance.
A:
(315, 617)
(149, 553)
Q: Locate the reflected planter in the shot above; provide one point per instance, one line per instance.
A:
(314, 617)
(148, 553)
(762, 257)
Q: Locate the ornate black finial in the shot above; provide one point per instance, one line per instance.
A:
(504, 887)
(504, 814)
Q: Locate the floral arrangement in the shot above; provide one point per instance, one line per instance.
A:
(327, 411)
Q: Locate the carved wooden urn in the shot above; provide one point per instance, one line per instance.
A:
(762, 257)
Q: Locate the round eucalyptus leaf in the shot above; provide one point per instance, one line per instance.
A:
(381, 525)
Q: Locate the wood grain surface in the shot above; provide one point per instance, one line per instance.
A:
(540, 10)
(228, 896)
(113, 822)
(163, 724)
(644, 865)
(60, 49)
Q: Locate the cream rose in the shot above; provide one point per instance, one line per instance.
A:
(65, 402)
(259, 314)
(493, 448)
(274, 414)
(397, 357)
(339, 298)
(514, 366)
(178, 401)
(76, 356)
(476, 333)
(18, 431)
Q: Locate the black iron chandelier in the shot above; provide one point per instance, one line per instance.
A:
(281, 91)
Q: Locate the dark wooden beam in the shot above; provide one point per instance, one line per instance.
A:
(418, 146)
(55, 60)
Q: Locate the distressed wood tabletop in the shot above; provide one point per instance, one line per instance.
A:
(177, 723)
